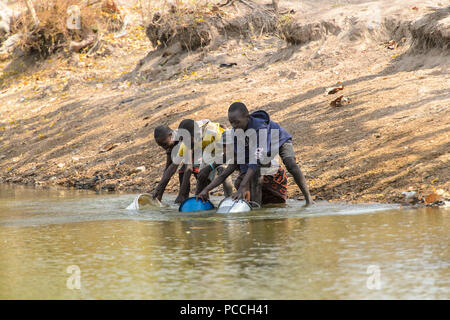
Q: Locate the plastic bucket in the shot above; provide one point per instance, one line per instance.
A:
(229, 205)
(143, 201)
(191, 204)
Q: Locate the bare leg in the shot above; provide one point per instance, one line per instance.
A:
(256, 187)
(227, 184)
(201, 184)
(185, 185)
(294, 169)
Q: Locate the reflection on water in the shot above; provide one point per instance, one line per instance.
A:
(287, 252)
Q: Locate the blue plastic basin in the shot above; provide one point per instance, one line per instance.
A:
(191, 204)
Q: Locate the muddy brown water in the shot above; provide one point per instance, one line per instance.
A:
(54, 241)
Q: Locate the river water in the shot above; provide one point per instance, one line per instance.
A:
(55, 241)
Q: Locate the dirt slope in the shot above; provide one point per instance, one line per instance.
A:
(392, 137)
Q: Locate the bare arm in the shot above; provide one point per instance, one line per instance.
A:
(240, 194)
(168, 161)
(218, 180)
(168, 173)
(185, 184)
(304, 189)
(299, 178)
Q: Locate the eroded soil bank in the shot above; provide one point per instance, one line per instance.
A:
(87, 121)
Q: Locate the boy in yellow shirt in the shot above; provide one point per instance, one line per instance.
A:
(198, 158)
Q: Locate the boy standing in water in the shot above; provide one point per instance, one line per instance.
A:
(240, 118)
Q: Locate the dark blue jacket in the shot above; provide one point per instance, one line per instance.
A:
(261, 120)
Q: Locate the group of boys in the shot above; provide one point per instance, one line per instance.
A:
(203, 149)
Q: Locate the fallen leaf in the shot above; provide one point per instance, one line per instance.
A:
(340, 101)
(391, 45)
(227, 65)
(333, 90)
(141, 168)
(108, 147)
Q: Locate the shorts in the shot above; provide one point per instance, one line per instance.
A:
(274, 188)
(195, 169)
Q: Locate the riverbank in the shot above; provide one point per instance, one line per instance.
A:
(78, 122)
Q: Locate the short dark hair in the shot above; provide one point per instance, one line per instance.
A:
(187, 124)
(238, 106)
(162, 132)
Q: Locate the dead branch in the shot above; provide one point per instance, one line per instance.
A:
(76, 46)
(30, 7)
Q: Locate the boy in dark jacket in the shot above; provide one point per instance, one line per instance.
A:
(240, 118)
(273, 181)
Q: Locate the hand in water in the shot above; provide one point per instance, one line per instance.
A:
(238, 195)
(202, 196)
(180, 199)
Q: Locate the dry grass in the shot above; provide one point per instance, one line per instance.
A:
(199, 23)
(53, 34)
(188, 24)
